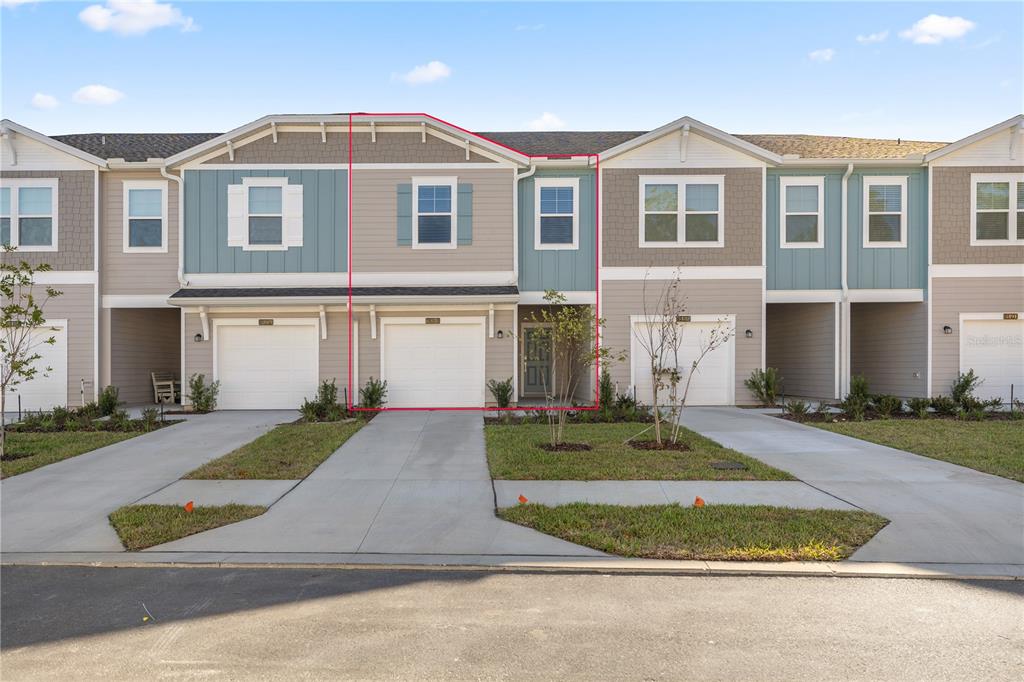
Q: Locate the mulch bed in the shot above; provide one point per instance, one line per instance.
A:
(840, 417)
(653, 445)
(565, 447)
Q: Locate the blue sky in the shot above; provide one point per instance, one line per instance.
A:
(936, 71)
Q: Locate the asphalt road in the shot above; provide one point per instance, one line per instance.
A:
(90, 623)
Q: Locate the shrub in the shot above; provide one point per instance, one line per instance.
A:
(963, 389)
(854, 407)
(605, 390)
(150, 418)
(119, 421)
(374, 394)
(859, 388)
(944, 405)
(625, 402)
(764, 384)
(501, 390)
(92, 410)
(324, 406)
(798, 408)
(58, 416)
(919, 406)
(888, 405)
(108, 400)
(202, 394)
(823, 411)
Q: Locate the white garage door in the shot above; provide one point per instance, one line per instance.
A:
(433, 365)
(994, 349)
(263, 367)
(49, 387)
(712, 384)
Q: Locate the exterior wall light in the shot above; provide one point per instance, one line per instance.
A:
(947, 329)
(749, 334)
(500, 334)
(197, 338)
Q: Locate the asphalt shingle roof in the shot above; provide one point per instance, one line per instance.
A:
(134, 146)
(559, 143)
(831, 147)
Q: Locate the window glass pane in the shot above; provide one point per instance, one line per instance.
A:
(35, 201)
(661, 198)
(802, 228)
(1020, 225)
(435, 199)
(702, 228)
(993, 226)
(802, 199)
(884, 228)
(5, 231)
(145, 203)
(145, 232)
(556, 230)
(264, 230)
(994, 195)
(556, 200)
(702, 197)
(35, 231)
(1020, 196)
(883, 198)
(5, 201)
(661, 227)
(265, 200)
(435, 229)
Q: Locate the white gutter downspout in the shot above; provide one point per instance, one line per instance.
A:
(844, 304)
(515, 269)
(96, 283)
(181, 223)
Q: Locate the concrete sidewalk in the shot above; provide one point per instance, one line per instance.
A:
(939, 512)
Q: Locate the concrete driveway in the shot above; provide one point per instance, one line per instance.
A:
(407, 483)
(64, 506)
(940, 512)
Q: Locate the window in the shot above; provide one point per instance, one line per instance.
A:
(885, 212)
(145, 216)
(681, 211)
(434, 213)
(265, 214)
(801, 223)
(556, 224)
(997, 209)
(28, 213)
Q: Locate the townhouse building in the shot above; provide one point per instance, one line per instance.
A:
(228, 255)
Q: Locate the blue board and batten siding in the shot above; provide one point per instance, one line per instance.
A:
(873, 268)
(562, 269)
(324, 230)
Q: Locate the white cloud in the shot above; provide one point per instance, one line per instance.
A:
(43, 101)
(873, 37)
(15, 3)
(135, 17)
(546, 121)
(530, 27)
(935, 28)
(431, 72)
(96, 94)
(823, 55)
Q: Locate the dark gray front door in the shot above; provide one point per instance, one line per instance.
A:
(536, 362)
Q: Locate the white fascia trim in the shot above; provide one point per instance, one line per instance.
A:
(480, 306)
(971, 139)
(58, 277)
(7, 124)
(818, 182)
(266, 279)
(871, 180)
(684, 272)
(571, 297)
(129, 185)
(1013, 180)
(804, 295)
(986, 270)
(695, 126)
(136, 301)
(451, 278)
(270, 166)
(886, 295)
(453, 233)
(538, 184)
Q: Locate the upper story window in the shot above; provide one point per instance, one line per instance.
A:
(885, 212)
(265, 214)
(434, 211)
(681, 211)
(802, 224)
(997, 209)
(145, 216)
(28, 213)
(556, 224)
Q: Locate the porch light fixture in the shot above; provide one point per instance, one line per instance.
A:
(749, 334)
(500, 334)
(198, 337)
(947, 329)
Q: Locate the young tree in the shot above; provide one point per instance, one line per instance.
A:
(22, 329)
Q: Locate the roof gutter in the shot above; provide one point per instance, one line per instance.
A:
(258, 301)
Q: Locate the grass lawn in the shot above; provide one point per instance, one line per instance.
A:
(513, 452)
(288, 452)
(144, 525)
(995, 447)
(714, 532)
(47, 448)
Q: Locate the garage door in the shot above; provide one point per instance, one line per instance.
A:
(713, 383)
(994, 349)
(266, 366)
(433, 362)
(49, 387)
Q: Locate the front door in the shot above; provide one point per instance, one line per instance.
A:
(536, 362)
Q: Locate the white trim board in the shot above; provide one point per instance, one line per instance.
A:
(65, 277)
(985, 270)
(136, 301)
(803, 295)
(571, 297)
(683, 272)
(886, 295)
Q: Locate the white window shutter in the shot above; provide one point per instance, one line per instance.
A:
(237, 210)
(292, 233)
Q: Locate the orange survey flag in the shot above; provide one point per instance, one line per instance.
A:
(522, 499)
(698, 501)
(189, 506)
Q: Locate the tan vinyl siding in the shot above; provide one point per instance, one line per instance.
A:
(741, 222)
(76, 217)
(198, 355)
(142, 341)
(741, 297)
(801, 344)
(951, 218)
(76, 305)
(889, 346)
(954, 295)
(375, 224)
(135, 273)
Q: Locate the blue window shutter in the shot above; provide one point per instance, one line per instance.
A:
(465, 214)
(405, 214)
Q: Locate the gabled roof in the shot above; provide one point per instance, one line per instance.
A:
(702, 128)
(562, 143)
(9, 125)
(832, 147)
(1017, 120)
(134, 146)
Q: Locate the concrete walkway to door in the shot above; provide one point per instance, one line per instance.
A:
(410, 482)
(939, 512)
